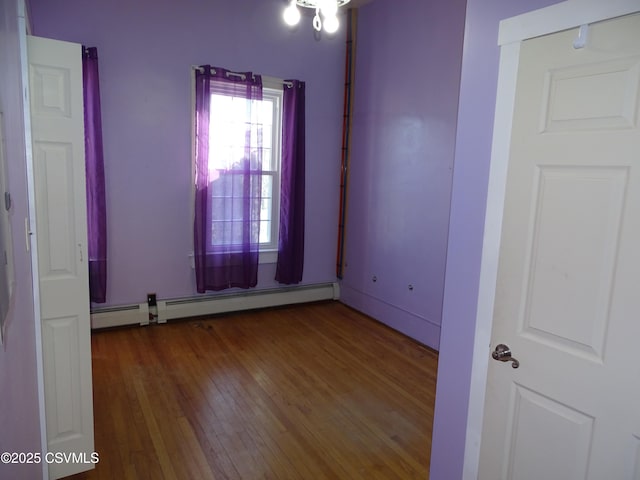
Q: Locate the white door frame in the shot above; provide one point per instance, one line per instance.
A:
(555, 18)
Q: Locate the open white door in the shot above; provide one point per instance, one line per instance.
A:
(55, 78)
(567, 298)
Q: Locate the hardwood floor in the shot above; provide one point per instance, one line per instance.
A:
(306, 392)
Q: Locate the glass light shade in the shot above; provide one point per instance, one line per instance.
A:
(331, 24)
(291, 14)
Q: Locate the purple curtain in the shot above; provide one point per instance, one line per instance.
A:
(291, 237)
(228, 179)
(96, 204)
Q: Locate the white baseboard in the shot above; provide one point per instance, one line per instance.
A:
(213, 304)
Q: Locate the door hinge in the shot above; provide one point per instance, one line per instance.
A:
(27, 234)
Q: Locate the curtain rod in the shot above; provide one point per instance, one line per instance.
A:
(243, 76)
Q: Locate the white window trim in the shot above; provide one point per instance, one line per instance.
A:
(275, 94)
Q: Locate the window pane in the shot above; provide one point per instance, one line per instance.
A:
(267, 159)
(218, 232)
(265, 232)
(236, 233)
(228, 132)
(265, 209)
(267, 135)
(267, 111)
(228, 159)
(267, 186)
(220, 209)
(227, 184)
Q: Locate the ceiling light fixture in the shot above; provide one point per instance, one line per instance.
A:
(328, 9)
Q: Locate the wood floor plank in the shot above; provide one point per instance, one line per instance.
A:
(316, 391)
(193, 446)
(156, 438)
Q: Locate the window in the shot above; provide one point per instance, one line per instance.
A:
(228, 130)
(240, 185)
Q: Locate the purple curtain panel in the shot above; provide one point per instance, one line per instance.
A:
(292, 196)
(96, 204)
(227, 209)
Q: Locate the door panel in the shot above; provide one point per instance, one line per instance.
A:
(54, 164)
(593, 97)
(569, 275)
(57, 115)
(60, 348)
(567, 292)
(531, 456)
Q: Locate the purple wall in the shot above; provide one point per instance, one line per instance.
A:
(406, 95)
(471, 175)
(146, 49)
(19, 414)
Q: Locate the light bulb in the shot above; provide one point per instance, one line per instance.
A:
(291, 14)
(331, 24)
(329, 8)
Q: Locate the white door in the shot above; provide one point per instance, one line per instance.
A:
(55, 77)
(568, 287)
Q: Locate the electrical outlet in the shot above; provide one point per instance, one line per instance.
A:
(151, 299)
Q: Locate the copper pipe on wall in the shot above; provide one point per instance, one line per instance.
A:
(350, 67)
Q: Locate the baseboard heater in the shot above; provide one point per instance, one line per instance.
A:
(212, 304)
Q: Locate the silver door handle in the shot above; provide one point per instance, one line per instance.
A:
(502, 353)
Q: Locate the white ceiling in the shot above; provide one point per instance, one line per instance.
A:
(357, 3)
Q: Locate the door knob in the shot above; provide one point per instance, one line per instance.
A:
(502, 353)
